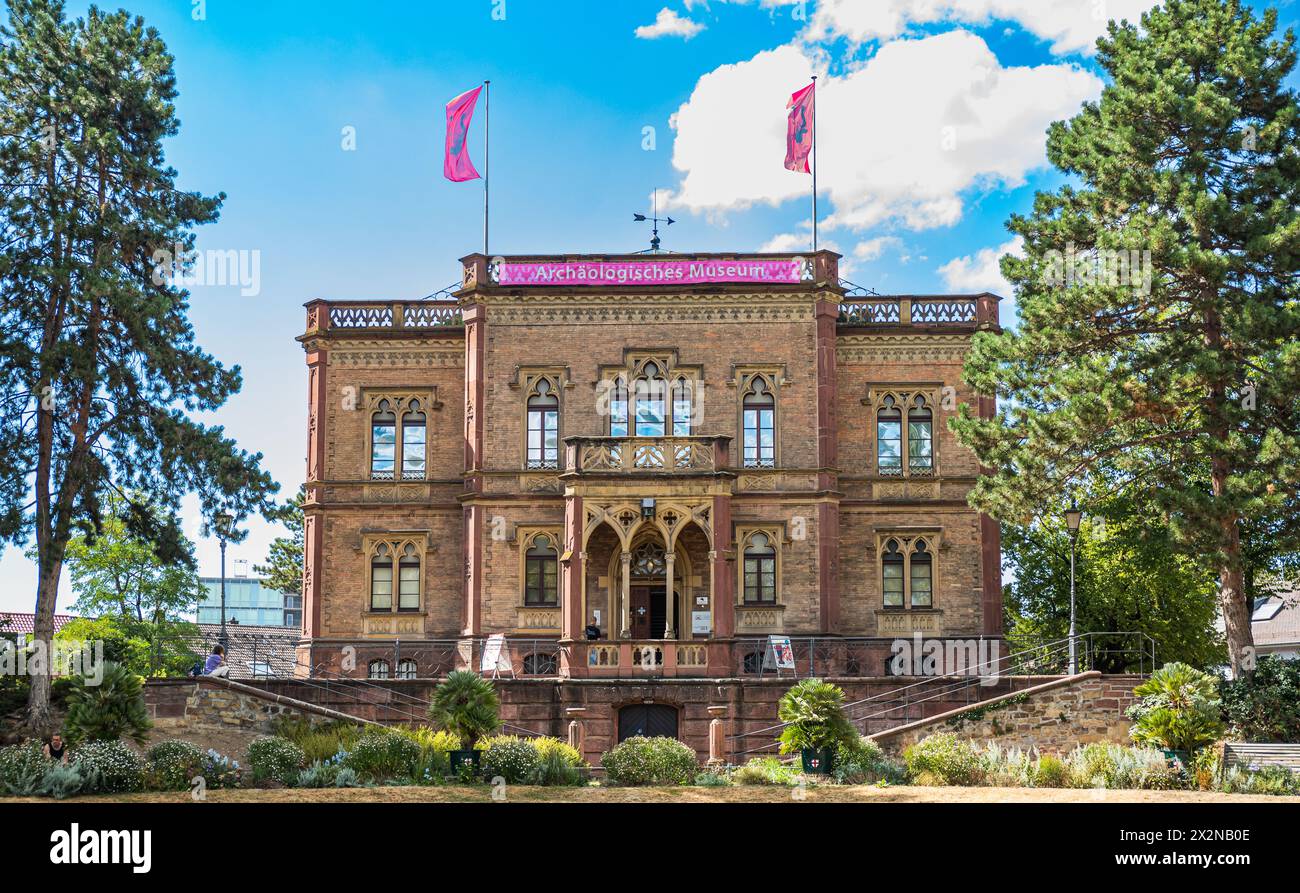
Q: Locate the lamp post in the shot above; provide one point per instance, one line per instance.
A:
(223, 525)
(1072, 518)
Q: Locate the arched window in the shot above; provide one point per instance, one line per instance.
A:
(921, 576)
(682, 408)
(413, 442)
(920, 437)
(541, 663)
(649, 408)
(381, 579)
(889, 437)
(377, 669)
(383, 442)
(760, 570)
(759, 418)
(892, 575)
(543, 427)
(408, 581)
(541, 577)
(407, 669)
(618, 408)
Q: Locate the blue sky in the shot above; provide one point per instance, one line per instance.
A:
(267, 90)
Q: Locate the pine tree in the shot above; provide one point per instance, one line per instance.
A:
(1183, 384)
(98, 362)
(283, 569)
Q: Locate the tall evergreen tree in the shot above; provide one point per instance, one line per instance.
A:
(1186, 384)
(97, 357)
(283, 568)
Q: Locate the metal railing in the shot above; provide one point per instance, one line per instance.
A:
(1004, 674)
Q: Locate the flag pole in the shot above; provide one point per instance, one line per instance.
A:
(487, 161)
(814, 164)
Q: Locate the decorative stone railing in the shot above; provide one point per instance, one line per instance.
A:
(963, 312)
(325, 316)
(634, 455)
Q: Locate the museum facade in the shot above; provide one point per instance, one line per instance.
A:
(641, 467)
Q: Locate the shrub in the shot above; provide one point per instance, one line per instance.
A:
(1178, 708)
(647, 761)
(109, 767)
(382, 754)
(62, 780)
(318, 740)
(430, 739)
(945, 759)
(1264, 705)
(863, 762)
(108, 711)
(547, 746)
(766, 770)
(712, 778)
(318, 775)
(813, 711)
(347, 778)
(1114, 766)
(22, 766)
(220, 771)
(1050, 771)
(171, 765)
(272, 758)
(556, 769)
(511, 758)
(1269, 780)
(466, 705)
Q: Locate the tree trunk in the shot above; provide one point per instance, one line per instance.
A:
(38, 701)
(1232, 595)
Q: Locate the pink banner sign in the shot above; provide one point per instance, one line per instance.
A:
(652, 272)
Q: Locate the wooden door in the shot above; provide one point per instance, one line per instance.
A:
(640, 610)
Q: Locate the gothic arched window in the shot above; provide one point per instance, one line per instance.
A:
(543, 427)
(413, 442)
(383, 442)
(889, 437)
(541, 573)
(649, 402)
(759, 425)
(760, 570)
(920, 437)
(892, 575)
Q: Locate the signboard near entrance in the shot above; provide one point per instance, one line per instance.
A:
(779, 654)
(700, 623)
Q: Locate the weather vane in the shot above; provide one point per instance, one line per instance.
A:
(655, 220)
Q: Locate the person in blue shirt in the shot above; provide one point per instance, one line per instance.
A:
(216, 662)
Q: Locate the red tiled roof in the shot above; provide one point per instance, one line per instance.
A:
(15, 622)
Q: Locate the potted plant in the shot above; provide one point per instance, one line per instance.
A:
(815, 724)
(466, 705)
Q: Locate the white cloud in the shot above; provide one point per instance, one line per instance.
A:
(669, 24)
(873, 248)
(980, 271)
(900, 138)
(798, 241)
(1072, 26)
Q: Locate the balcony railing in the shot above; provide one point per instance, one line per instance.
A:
(697, 453)
(875, 311)
(353, 315)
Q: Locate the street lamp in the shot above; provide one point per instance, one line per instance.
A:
(1072, 518)
(224, 524)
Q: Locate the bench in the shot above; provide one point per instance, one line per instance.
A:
(1258, 756)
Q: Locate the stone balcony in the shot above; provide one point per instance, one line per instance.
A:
(695, 454)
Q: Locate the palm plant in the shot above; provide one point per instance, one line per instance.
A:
(813, 711)
(466, 705)
(112, 709)
(1178, 709)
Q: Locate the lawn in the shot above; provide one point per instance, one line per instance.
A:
(739, 794)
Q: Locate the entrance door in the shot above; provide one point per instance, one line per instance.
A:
(641, 604)
(658, 612)
(648, 720)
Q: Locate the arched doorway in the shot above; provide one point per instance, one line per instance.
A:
(647, 720)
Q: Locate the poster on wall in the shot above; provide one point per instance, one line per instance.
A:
(495, 657)
(700, 624)
(779, 654)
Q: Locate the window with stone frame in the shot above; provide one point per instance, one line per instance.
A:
(407, 669)
(541, 572)
(760, 568)
(651, 397)
(543, 444)
(904, 431)
(377, 669)
(758, 424)
(907, 570)
(396, 575)
(399, 441)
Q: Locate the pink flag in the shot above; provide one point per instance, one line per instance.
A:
(456, 165)
(798, 138)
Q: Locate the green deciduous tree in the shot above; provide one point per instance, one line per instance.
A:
(1183, 383)
(98, 362)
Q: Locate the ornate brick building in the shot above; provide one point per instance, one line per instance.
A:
(639, 467)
